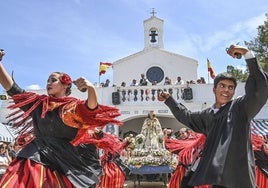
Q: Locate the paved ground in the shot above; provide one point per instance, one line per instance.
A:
(144, 184)
(156, 181)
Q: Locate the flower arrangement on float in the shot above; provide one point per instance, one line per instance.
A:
(143, 155)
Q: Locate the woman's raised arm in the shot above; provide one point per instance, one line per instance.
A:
(5, 79)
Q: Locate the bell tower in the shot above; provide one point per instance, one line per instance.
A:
(153, 32)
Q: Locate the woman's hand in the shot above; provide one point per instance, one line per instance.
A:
(2, 53)
(5, 79)
(83, 84)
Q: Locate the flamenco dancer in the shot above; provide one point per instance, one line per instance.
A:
(260, 148)
(114, 169)
(188, 149)
(61, 133)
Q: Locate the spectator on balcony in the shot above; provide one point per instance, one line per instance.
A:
(192, 82)
(179, 81)
(203, 81)
(101, 84)
(134, 83)
(143, 80)
(154, 83)
(123, 84)
(167, 81)
(107, 83)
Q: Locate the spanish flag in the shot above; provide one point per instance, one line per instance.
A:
(210, 70)
(104, 67)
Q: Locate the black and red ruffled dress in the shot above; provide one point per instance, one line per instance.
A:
(188, 151)
(261, 160)
(58, 150)
(114, 169)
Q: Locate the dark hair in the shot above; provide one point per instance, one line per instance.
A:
(224, 76)
(68, 89)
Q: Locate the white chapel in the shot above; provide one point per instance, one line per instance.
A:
(135, 102)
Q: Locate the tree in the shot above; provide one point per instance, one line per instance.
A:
(238, 73)
(260, 45)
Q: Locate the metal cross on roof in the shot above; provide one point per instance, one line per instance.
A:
(153, 12)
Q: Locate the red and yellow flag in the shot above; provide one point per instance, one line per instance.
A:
(104, 67)
(210, 70)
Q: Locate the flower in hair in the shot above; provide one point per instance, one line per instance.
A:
(65, 79)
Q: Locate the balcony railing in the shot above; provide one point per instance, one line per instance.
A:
(148, 94)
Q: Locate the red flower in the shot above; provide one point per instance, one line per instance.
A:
(65, 79)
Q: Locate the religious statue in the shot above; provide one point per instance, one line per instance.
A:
(152, 132)
(149, 147)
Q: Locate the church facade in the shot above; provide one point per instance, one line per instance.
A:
(135, 102)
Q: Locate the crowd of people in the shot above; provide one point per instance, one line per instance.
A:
(167, 81)
(145, 82)
(59, 136)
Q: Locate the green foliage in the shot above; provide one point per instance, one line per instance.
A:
(259, 45)
(238, 73)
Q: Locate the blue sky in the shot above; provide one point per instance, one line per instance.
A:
(42, 36)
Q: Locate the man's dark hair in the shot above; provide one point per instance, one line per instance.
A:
(224, 76)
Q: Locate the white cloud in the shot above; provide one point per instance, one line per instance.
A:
(33, 87)
(254, 22)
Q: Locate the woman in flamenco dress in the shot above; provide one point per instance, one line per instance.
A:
(114, 169)
(188, 154)
(260, 148)
(185, 148)
(59, 134)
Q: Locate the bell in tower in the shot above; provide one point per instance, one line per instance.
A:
(153, 35)
(153, 32)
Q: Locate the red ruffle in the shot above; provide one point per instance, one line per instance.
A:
(76, 114)
(112, 177)
(257, 142)
(186, 147)
(27, 172)
(73, 112)
(261, 179)
(107, 142)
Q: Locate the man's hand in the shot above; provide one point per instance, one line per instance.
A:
(163, 96)
(236, 51)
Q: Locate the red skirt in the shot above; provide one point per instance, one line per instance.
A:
(27, 173)
(177, 176)
(261, 179)
(113, 176)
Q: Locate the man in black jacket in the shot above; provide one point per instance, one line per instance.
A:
(227, 160)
